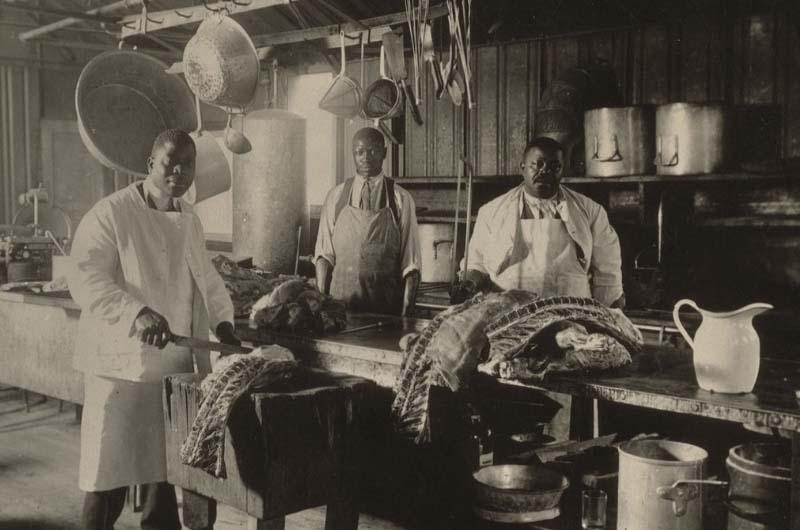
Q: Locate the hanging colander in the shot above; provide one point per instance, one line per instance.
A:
(343, 97)
(383, 98)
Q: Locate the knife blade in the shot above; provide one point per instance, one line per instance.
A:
(200, 344)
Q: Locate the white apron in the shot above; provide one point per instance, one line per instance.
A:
(544, 260)
(122, 430)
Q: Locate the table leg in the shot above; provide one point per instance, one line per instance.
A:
(341, 514)
(199, 511)
(795, 514)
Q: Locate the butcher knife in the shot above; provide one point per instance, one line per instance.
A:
(200, 344)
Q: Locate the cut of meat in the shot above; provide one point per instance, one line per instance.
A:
(205, 446)
(514, 331)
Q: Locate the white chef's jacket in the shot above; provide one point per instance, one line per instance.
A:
(586, 223)
(119, 268)
(410, 256)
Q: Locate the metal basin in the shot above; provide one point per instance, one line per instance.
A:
(518, 488)
(124, 99)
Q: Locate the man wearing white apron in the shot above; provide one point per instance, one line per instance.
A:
(140, 273)
(545, 238)
(367, 251)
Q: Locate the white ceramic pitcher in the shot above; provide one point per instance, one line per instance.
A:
(727, 351)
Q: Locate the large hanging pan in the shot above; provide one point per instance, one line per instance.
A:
(343, 97)
(221, 64)
(124, 99)
(383, 100)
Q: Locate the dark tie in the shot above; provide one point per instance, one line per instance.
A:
(365, 197)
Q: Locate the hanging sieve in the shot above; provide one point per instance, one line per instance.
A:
(383, 98)
(343, 97)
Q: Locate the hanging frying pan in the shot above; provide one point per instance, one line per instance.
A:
(343, 97)
(124, 99)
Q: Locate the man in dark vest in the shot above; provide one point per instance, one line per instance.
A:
(367, 251)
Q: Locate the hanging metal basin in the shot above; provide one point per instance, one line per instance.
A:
(220, 63)
(124, 99)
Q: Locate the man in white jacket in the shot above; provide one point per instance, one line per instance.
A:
(140, 273)
(545, 238)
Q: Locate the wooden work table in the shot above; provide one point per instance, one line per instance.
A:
(50, 324)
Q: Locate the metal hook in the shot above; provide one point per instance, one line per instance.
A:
(182, 15)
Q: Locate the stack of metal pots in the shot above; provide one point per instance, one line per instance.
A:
(671, 139)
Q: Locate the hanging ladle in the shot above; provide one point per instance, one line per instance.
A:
(235, 141)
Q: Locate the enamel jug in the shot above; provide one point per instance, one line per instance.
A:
(727, 351)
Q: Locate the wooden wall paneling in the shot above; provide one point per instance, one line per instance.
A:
(635, 89)
(17, 140)
(791, 62)
(655, 69)
(694, 60)
(674, 66)
(517, 90)
(536, 65)
(760, 60)
(72, 175)
(487, 116)
(718, 59)
(446, 135)
(415, 146)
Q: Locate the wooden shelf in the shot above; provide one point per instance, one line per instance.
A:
(422, 218)
(513, 180)
(753, 222)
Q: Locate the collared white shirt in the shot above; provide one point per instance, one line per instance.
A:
(410, 255)
(161, 200)
(540, 208)
(585, 221)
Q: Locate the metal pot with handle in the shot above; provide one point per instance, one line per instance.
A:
(693, 138)
(436, 244)
(619, 141)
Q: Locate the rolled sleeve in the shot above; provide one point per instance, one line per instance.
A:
(411, 256)
(93, 278)
(606, 263)
(324, 247)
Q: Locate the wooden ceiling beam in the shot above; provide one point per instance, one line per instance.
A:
(171, 18)
(61, 24)
(290, 37)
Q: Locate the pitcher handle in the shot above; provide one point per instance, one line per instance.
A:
(677, 318)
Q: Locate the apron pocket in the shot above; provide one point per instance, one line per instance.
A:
(573, 284)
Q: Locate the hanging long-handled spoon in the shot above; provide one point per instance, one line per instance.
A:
(235, 141)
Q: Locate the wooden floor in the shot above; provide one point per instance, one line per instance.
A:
(39, 454)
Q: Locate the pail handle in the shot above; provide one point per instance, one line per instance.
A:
(677, 318)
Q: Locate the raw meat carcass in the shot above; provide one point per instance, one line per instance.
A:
(233, 376)
(297, 306)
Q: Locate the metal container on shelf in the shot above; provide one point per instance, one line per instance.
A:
(693, 138)
(436, 248)
(619, 141)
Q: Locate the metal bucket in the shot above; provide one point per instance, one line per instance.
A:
(436, 248)
(655, 490)
(619, 141)
(693, 138)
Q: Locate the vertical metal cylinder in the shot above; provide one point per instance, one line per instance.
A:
(269, 199)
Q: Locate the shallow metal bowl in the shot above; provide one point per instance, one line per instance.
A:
(124, 99)
(518, 488)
